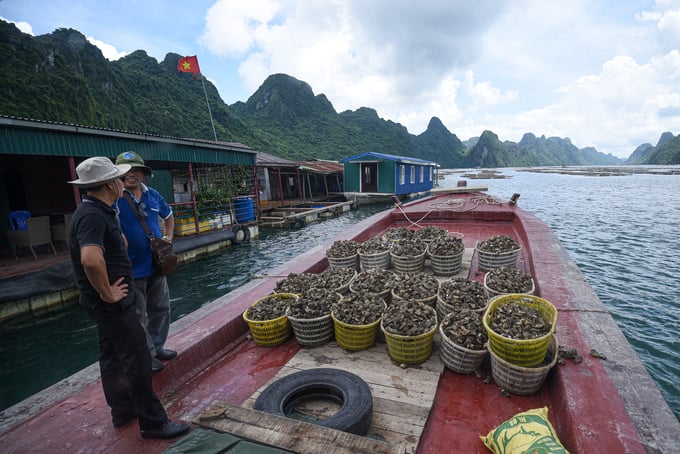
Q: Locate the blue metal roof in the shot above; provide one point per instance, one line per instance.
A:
(388, 157)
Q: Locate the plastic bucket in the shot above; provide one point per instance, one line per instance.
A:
(244, 211)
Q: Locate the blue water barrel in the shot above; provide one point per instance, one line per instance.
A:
(244, 208)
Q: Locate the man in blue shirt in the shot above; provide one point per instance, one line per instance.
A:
(104, 274)
(153, 296)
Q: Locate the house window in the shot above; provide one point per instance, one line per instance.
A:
(367, 175)
(431, 171)
(413, 174)
(402, 175)
(422, 174)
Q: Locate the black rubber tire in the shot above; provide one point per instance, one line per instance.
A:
(345, 388)
(299, 223)
(240, 228)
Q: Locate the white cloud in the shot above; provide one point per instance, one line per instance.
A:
(485, 94)
(109, 51)
(25, 27)
(669, 28)
(232, 26)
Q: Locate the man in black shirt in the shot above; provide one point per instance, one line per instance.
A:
(104, 276)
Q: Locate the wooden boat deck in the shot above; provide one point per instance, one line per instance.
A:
(402, 399)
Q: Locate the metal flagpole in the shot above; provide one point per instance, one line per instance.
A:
(209, 111)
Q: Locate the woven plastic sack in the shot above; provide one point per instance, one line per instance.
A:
(526, 432)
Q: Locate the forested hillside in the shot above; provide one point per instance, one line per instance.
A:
(62, 77)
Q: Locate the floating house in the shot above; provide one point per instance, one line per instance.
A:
(39, 157)
(379, 175)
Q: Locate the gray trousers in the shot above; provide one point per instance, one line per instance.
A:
(153, 309)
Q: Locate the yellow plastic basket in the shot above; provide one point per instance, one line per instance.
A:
(521, 352)
(409, 349)
(355, 337)
(270, 333)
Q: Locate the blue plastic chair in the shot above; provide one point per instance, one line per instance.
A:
(17, 220)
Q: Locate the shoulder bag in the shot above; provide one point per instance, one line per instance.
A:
(164, 259)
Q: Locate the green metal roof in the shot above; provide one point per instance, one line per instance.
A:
(31, 137)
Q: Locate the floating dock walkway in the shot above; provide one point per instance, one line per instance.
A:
(299, 215)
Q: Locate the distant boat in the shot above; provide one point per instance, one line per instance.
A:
(605, 403)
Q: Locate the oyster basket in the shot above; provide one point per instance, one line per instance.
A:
(344, 262)
(408, 263)
(446, 265)
(386, 294)
(444, 308)
(522, 380)
(343, 289)
(270, 333)
(379, 261)
(458, 358)
(410, 349)
(429, 301)
(488, 260)
(355, 337)
(493, 293)
(312, 332)
(520, 352)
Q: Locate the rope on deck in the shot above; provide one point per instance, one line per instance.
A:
(457, 205)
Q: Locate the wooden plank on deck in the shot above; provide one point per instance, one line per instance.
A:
(402, 397)
(287, 433)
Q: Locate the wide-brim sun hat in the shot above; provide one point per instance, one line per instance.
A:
(134, 160)
(97, 171)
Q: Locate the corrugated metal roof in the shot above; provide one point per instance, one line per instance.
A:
(269, 160)
(389, 157)
(43, 138)
(324, 167)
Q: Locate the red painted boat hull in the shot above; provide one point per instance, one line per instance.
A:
(595, 406)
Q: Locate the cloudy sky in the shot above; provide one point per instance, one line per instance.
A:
(605, 73)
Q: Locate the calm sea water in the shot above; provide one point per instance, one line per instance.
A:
(619, 230)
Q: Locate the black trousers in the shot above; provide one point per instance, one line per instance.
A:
(125, 364)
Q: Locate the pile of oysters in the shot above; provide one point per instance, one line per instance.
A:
(431, 233)
(408, 248)
(498, 244)
(446, 246)
(465, 328)
(359, 308)
(314, 304)
(399, 233)
(409, 318)
(342, 248)
(508, 279)
(269, 308)
(416, 286)
(463, 294)
(518, 321)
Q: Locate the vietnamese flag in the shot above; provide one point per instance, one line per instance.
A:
(188, 65)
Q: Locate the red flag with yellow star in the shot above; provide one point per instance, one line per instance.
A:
(188, 65)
